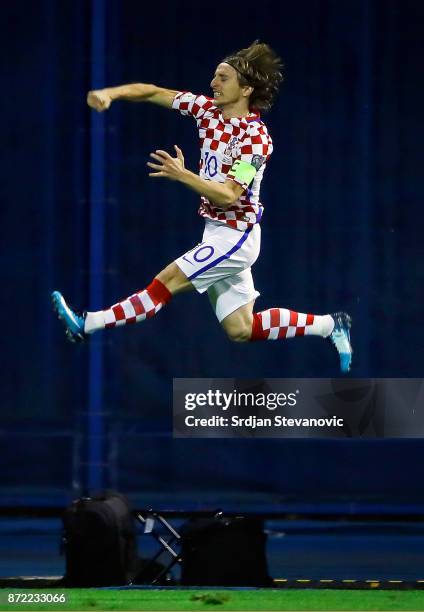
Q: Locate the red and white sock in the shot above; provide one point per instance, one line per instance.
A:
(139, 306)
(277, 323)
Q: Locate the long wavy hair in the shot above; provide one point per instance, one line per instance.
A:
(259, 67)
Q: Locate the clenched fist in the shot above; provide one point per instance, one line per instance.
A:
(100, 100)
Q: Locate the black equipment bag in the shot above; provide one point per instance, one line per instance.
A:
(99, 541)
(224, 551)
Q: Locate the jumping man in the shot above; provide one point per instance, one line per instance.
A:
(235, 148)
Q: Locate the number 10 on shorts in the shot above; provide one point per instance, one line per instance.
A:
(199, 254)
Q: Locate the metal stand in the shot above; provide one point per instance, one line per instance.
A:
(149, 520)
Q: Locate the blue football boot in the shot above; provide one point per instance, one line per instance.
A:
(340, 338)
(72, 320)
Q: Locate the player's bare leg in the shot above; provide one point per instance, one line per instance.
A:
(238, 324)
(137, 307)
(174, 279)
(244, 325)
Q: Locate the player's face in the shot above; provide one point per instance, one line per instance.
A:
(225, 85)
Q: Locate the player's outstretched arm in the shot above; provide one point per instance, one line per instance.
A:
(101, 99)
(173, 168)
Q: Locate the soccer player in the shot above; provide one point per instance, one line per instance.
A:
(235, 148)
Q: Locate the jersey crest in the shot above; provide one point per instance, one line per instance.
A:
(231, 147)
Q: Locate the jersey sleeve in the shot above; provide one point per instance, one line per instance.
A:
(254, 150)
(191, 104)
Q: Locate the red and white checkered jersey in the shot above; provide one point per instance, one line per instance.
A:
(222, 142)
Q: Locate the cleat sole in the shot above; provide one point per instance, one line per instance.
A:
(59, 305)
(343, 323)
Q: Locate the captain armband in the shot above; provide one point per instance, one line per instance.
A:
(243, 172)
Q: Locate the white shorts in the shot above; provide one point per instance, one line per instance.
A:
(221, 264)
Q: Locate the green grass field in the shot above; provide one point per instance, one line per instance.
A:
(188, 599)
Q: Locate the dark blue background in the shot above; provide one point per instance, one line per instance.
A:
(342, 226)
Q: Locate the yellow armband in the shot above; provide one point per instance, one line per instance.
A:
(243, 172)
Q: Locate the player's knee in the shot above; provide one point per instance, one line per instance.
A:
(239, 333)
(174, 279)
(167, 275)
